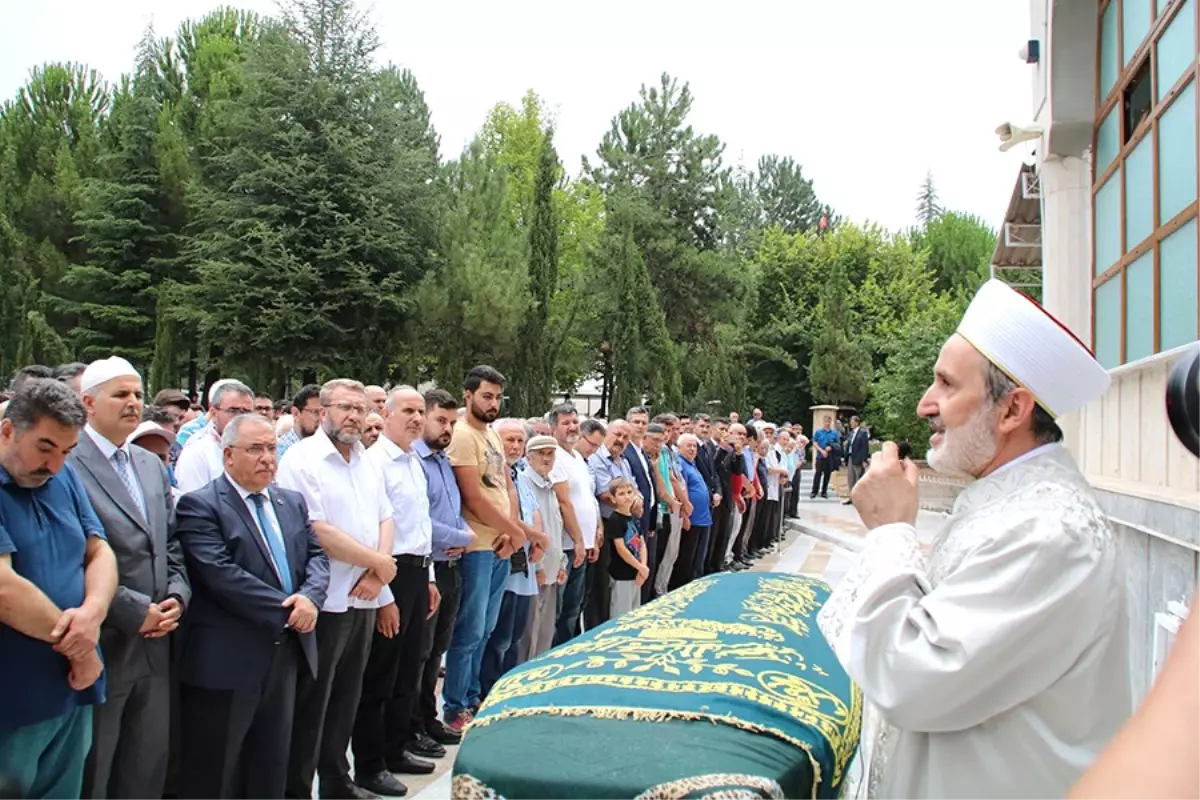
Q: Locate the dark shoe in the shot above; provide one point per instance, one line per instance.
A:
(824, 496)
(408, 764)
(343, 791)
(457, 721)
(441, 734)
(847, 503)
(738, 566)
(383, 784)
(812, 496)
(422, 745)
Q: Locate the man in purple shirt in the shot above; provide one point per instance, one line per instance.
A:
(450, 538)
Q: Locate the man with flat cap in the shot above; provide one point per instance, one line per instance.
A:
(999, 665)
(130, 491)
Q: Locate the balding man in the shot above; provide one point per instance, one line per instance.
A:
(383, 734)
(377, 397)
(131, 494)
(202, 461)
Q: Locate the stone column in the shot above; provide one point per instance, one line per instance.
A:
(1067, 256)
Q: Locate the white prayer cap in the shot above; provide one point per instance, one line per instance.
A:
(1033, 348)
(105, 370)
(149, 428)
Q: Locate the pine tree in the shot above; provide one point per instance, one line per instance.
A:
(535, 367)
(840, 369)
(928, 209)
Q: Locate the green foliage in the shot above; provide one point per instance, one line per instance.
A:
(928, 208)
(958, 250)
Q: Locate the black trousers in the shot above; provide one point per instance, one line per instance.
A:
(742, 546)
(685, 565)
(326, 705)
(392, 679)
(822, 470)
(438, 630)
(793, 503)
(236, 741)
(767, 524)
(651, 555)
(719, 539)
(597, 605)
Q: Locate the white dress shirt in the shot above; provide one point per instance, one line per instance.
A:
(269, 510)
(201, 461)
(572, 468)
(407, 491)
(108, 449)
(350, 496)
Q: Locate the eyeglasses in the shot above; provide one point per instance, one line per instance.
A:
(347, 408)
(258, 450)
(236, 412)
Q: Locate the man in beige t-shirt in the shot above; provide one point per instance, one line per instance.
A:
(489, 507)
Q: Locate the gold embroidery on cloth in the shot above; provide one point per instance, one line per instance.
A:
(654, 715)
(731, 785)
(468, 787)
(653, 638)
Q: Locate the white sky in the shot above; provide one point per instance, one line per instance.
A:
(867, 95)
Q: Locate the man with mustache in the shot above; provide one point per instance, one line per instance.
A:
(260, 577)
(131, 494)
(999, 666)
(352, 518)
(57, 577)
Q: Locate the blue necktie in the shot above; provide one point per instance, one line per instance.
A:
(274, 541)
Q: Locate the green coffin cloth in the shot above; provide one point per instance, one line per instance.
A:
(725, 685)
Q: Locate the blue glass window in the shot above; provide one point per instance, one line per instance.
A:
(1139, 308)
(1139, 194)
(1177, 318)
(1176, 48)
(1135, 24)
(1108, 141)
(1108, 323)
(1177, 155)
(1107, 229)
(1110, 66)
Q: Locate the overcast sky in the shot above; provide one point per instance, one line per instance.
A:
(866, 95)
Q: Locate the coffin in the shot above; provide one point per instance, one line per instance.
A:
(723, 687)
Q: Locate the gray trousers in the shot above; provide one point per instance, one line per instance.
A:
(543, 619)
(853, 473)
(626, 596)
(130, 740)
(667, 565)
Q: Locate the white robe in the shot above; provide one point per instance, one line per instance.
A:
(1001, 668)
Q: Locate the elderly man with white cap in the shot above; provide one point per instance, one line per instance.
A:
(130, 491)
(997, 667)
(203, 460)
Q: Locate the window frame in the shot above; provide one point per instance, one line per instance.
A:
(1129, 140)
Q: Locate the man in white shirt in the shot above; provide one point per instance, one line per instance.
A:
(383, 736)
(581, 516)
(202, 460)
(999, 666)
(352, 518)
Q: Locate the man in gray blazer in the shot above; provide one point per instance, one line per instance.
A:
(131, 493)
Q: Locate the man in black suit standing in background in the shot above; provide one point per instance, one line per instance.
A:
(858, 450)
(259, 578)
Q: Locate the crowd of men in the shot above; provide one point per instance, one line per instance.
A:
(223, 602)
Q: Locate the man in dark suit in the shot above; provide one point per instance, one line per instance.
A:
(131, 493)
(725, 463)
(260, 578)
(643, 476)
(858, 450)
(706, 458)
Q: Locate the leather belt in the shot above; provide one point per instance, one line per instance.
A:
(414, 561)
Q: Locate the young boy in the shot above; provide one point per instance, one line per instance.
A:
(627, 567)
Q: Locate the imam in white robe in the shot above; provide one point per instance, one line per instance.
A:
(1001, 667)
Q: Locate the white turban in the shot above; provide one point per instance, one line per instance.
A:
(1033, 349)
(105, 370)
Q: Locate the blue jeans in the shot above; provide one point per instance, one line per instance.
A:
(500, 653)
(570, 601)
(483, 579)
(46, 759)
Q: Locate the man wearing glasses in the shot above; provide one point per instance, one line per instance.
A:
(202, 460)
(352, 518)
(306, 416)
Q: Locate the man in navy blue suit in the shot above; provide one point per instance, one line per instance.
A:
(259, 578)
(643, 476)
